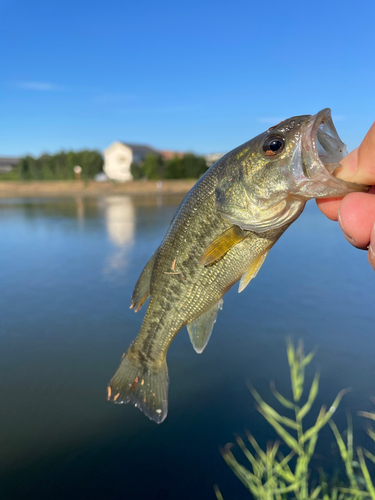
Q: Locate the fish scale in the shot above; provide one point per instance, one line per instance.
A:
(222, 231)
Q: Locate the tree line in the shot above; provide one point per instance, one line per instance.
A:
(60, 167)
(156, 167)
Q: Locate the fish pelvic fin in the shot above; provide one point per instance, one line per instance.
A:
(221, 245)
(144, 386)
(201, 328)
(142, 288)
(252, 271)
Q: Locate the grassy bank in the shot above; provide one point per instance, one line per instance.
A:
(10, 189)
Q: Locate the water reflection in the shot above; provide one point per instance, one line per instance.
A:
(80, 206)
(120, 223)
(64, 325)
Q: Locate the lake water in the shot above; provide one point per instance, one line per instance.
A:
(68, 268)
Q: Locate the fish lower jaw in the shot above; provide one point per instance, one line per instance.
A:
(325, 185)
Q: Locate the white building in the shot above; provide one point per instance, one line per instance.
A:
(118, 158)
(212, 158)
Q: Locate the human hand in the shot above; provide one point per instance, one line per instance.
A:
(356, 212)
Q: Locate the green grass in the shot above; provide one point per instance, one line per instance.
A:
(10, 176)
(271, 475)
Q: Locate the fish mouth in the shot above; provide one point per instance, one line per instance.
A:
(325, 150)
(326, 145)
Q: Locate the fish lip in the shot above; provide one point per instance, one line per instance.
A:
(322, 122)
(323, 150)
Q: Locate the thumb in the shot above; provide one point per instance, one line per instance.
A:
(359, 165)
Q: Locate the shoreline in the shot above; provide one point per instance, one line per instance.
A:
(13, 189)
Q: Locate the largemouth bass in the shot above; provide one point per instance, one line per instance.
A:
(221, 234)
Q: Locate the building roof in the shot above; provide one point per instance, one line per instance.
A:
(141, 149)
(169, 155)
(5, 161)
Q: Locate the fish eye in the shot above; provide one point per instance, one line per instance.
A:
(273, 145)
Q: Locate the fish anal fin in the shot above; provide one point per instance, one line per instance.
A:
(252, 271)
(220, 245)
(201, 328)
(142, 288)
(145, 387)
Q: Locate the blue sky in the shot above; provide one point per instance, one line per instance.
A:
(199, 75)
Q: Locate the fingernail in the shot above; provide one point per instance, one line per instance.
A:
(347, 237)
(371, 249)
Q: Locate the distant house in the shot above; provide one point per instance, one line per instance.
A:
(169, 155)
(118, 158)
(212, 158)
(7, 164)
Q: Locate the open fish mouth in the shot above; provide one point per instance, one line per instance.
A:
(323, 151)
(326, 145)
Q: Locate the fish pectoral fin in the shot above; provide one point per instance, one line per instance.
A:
(220, 246)
(201, 328)
(142, 288)
(144, 386)
(252, 271)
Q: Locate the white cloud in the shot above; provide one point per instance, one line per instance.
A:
(40, 86)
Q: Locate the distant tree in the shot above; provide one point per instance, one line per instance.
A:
(153, 167)
(194, 166)
(24, 167)
(174, 168)
(60, 166)
(189, 166)
(137, 171)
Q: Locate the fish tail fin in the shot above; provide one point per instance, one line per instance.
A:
(144, 386)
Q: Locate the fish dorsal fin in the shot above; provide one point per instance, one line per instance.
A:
(220, 246)
(201, 328)
(142, 288)
(252, 271)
